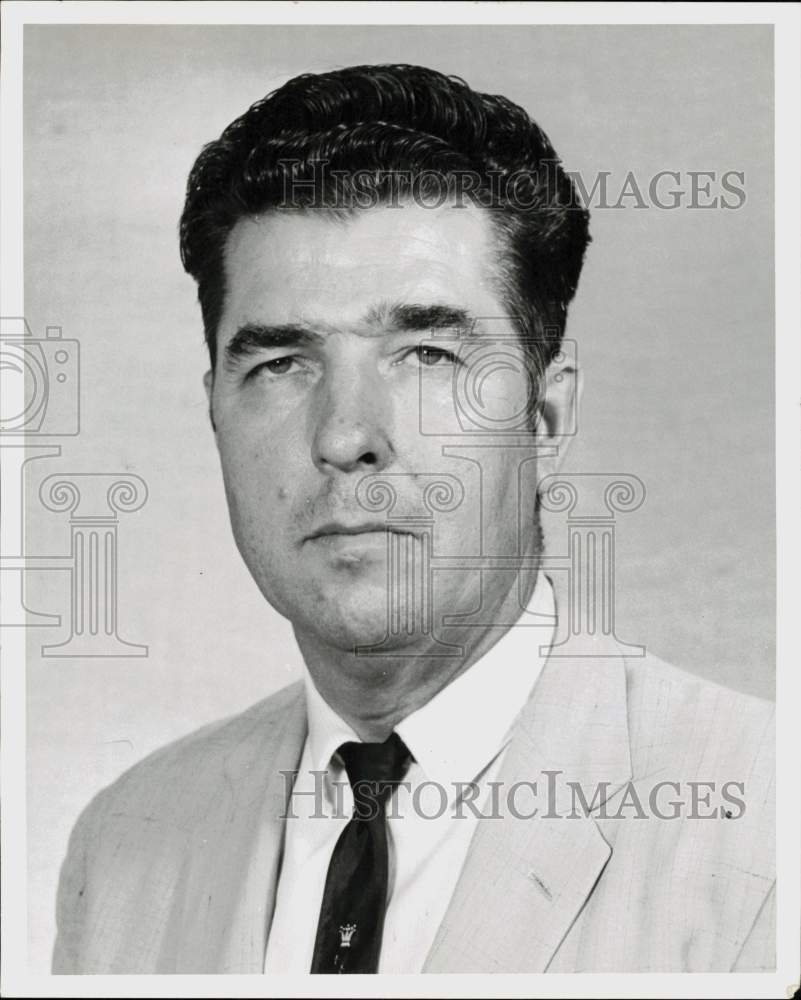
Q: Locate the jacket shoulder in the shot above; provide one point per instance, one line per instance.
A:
(685, 726)
(675, 694)
(130, 844)
(195, 762)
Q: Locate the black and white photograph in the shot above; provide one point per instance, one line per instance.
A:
(400, 491)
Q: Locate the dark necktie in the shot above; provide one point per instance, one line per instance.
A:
(355, 898)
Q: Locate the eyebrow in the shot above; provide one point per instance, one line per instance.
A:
(257, 336)
(397, 317)
(409, 318)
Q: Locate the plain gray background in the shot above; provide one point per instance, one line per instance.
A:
(674, 320)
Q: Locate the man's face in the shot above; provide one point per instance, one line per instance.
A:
(318, 385)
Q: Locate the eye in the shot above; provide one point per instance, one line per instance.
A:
(277, 366)
(430, 356)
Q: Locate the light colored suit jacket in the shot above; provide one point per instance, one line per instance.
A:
(173, 868)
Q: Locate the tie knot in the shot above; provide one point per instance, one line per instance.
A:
(374, 769)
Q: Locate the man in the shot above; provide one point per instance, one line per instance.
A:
(384, 262)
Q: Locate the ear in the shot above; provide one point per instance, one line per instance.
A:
(558, 419)
(208, 385)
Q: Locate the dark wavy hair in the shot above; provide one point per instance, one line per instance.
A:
(367, 135)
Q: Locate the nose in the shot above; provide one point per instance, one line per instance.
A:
(351, 431)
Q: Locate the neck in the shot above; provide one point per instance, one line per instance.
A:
(373, 694)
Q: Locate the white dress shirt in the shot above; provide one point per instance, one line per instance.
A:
(457, 738)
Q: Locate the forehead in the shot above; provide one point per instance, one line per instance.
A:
(315, 267)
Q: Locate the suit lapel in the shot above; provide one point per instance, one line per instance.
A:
(526, 879)
(229, 884)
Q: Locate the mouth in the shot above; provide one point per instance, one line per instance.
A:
(357, 546)
(334, 530)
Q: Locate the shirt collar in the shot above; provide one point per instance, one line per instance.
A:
(456, 734)
(327, 731)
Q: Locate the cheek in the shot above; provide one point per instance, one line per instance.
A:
(511, 490)
(261, 489)
(246, 475)
(503, 395)
(254, 494)
(249, 460)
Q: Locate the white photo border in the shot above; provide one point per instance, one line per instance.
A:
(786, 19)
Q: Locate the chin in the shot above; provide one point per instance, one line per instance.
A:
(348, 617)
(351, 634)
